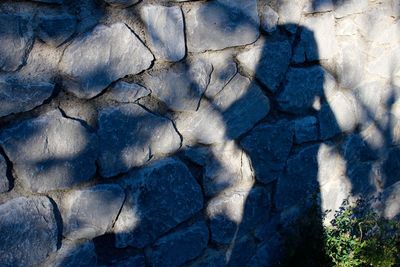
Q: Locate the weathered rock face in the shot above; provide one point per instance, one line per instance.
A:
(306, 130)
(50, 1)
(16, 38)
(27, 224)
(4, 184)
(268, 61)
(181, 86)
(91, 212)
(131, 136)
(181, 246)
(124, 92)
(317, 40)
(237, 21)
(269, 147)
(89, 70)
(269, 19)
(233, 111)
(234, 213)
(159, 197)
(165, 28)
(55, 30)
(16, 97)
(121, 3)
(301, 177)
(50, 152)
(223, 70)
(73, 254)
(226, 166)
(302, 87)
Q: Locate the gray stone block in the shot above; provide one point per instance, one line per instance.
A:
(54, 30)
(268, 61)
(16, 97)
(302, 87)
(124, 92)
(93, 61)
(166, 34)
(4, 183)
(90, 212)
(301, 178)
(50, 152)
(305, 129)
(121, 3)
(180, 246)
(268, 146)
(28, 231)
(218, 24)
(16, 39)
(233, 214)
(131, 136)
(181, 86)
(160, 197)
(73, 254)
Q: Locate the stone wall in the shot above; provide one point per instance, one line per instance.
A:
(189, 133)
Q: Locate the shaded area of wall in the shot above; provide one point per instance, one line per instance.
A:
(190, 133)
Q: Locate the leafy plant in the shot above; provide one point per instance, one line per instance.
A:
(358, 236)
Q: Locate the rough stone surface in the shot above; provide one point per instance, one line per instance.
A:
(27, 225)
(181, 246)
(236, 20)
(318, 6)
(4, 183)
(290, 13)
(302, 87)
(391, 167)
(317, 39)
(341, 114)
(234, 111)
(89, 77)
(391, 203)
(50, 152)
(344, 8)
(268, 146)
(181, 86)
(269, 253)
(269, 19)
(124, 92)
(16, 97)
(131, 136)
(121, 3)
(234, 213)
(90, 212)
(50, 1)
(224, 69)
(227, 166)
(55, 30)
(166, 33)
(16, 38)
(305, 129)
(160, 197)
(302, 175)
(268, 61)
(211, 257)
(73, 254)
(137, 260)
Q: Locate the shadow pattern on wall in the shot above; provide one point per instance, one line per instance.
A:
(213, 173)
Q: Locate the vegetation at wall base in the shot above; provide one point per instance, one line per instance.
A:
(357, 236)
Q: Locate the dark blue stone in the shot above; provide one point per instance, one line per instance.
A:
(180, 246)
(268, 146)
